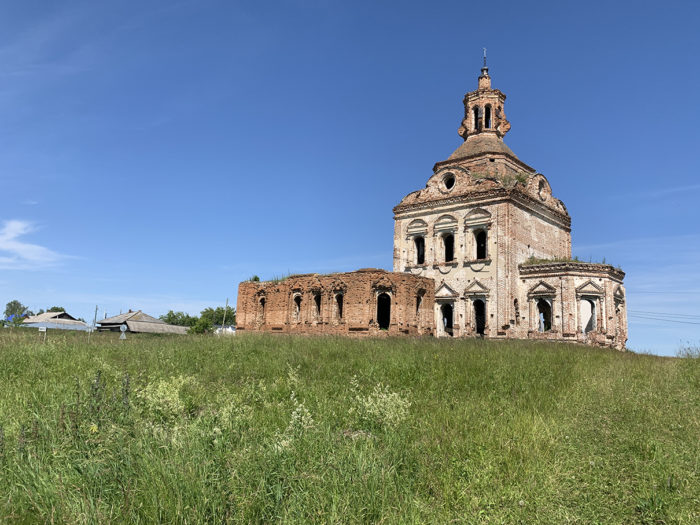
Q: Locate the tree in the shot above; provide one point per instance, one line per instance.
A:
(15, 308)
(202, 326)
(216, 315)
(179, 318)
(56, 309)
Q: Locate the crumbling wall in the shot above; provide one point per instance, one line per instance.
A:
(310, 304)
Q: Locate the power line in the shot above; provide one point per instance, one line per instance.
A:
(638, 316)
(664, 314)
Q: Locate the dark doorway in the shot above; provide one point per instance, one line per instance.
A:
(383, 311)
(479, 316)
(420, 250)
(588, 315)
(449, 242)
(480, 244)
(544, 312)
(447, 321)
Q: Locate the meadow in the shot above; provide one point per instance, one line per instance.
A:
(259, 429)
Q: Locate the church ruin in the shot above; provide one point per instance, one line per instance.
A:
(489, 247)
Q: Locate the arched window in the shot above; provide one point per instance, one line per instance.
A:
(447, 319)
(479, 316)
(262, 309)
(317, 304)
(339, 306)
(544, 313)
(419, 303)
(480, 238)
(448, 241)
(297, 307)
(487, 117)
(383, 311)
(419, 243)
(475, 113)
(516, 309)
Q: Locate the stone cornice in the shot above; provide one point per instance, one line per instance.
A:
(554, 269)
(495, 194)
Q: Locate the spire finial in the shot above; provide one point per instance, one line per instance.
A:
(484, 57)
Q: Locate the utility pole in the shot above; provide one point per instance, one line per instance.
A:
(223, 323)
(94, 323)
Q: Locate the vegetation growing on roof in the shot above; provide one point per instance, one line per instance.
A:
(532, 261)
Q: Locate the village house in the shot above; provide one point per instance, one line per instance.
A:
(139, 322)
(55, 320)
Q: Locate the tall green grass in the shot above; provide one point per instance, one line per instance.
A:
(286, 429)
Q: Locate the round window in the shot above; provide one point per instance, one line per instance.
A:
(449, 181)
(542, 190)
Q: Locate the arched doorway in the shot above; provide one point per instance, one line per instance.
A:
(447, 319)
(587, 315)
(383, 311)
(544, 313)
(479, 316)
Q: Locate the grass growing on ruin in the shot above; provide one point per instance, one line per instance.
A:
(260, 429)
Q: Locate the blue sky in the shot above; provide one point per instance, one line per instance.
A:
(154, 154)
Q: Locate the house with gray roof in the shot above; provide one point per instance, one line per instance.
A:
(139, 322)
(55, 320)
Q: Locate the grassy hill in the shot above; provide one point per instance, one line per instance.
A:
(260, 429)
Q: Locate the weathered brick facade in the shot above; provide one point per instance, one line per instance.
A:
(484, 249)
(478, 226)
(365, 302)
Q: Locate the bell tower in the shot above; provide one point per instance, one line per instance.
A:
(483, 109)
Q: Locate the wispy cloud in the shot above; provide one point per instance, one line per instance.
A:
(16, 254)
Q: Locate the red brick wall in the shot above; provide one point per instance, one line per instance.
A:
(359, 289)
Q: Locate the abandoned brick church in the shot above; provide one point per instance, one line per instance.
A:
(483, 250)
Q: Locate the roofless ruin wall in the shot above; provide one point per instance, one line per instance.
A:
(365, 302)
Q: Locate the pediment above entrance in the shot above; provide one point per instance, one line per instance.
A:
(589, 288)
(445, 292)
(542, 289)
(476, 288)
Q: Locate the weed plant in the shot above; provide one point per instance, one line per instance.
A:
(261, 429)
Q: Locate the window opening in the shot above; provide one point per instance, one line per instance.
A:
(544, 311)
(317, 304)
(516, 307)
(487, 117)
(420, 250)
(475, 111)
(297, 307)
(480, 237)
(262, 308)
(587, 315)
(449, 242)
(339, 305)
(383, 311)
(419, 302)
(449, 181)
(447, 318)
(479, 316)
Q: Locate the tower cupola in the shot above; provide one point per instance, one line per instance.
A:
(483, 109)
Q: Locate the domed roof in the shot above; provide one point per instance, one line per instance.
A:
(482, 144)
